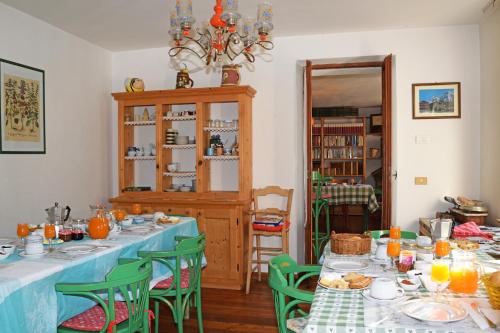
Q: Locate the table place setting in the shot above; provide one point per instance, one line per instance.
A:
(394, 287)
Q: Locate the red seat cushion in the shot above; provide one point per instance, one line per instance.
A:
(270, 228)
(165, 284)
(93, 319)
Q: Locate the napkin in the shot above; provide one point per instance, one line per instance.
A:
(478, 318)
(470, 229)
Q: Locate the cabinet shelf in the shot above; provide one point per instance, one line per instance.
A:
(140, 158)
(180, 174)
(180, 118)
(344, 159)
(222, 158)
(140, 123)
(190, 146)
(220, 129)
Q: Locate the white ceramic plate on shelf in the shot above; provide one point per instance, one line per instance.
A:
(347, 266)
(429, 310)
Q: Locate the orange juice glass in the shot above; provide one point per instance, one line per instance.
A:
(440, 271)
(22, 230)
(393, 248)
(395, 232)
(442, 247)
(50, 231)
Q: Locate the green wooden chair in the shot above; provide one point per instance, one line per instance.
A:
(177, 290)
(320, 202)
(376, 234)
(285, 278)
(130, 281)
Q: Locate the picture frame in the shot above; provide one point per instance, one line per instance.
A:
(436, 100)
(376, 121)
(22, 109)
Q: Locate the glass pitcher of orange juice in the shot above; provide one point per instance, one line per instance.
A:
(464, 272)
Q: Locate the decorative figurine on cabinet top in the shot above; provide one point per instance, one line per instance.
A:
(230, 75)
(133, 84)
(183, 79)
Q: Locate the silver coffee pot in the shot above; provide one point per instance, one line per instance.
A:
(58, 213)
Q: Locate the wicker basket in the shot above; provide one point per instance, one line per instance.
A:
(493, 292)
(354, 244)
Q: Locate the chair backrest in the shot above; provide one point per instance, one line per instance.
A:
(131, 281)
(376, 234)
(286, 297)
(188, 254)
(260, 209)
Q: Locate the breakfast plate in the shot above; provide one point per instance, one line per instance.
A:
(399, 297)
(347, 266)
(78, 249)
(429, 310)
(24, 254)
(341, 289)
(351, 281)
(54, 241)
(380, 261)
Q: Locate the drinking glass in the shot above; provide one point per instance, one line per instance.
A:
(395, 232)
(442, 248)
(22, 231)
(440, 273)
(393, 250)
(50, 233)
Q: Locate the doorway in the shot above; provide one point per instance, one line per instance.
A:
(348, 140)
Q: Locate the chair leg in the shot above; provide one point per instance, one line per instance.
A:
(259, 257)
(180, 314)
(198, 309)
(250, 258)
(157, 315)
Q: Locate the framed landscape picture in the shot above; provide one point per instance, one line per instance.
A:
(436, 100)
(22, 109)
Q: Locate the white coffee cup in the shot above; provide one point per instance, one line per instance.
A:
(384, 288)
(381, 252)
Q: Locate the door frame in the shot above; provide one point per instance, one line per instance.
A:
(386, 67)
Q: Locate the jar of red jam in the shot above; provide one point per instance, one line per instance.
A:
(78, 229)
(66, 234)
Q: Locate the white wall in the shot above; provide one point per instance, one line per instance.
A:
(76, 168)
(450, 161)
(490, 113)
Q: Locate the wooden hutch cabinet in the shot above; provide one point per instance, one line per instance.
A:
(177, 175)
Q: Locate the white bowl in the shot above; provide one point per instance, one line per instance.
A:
(182, 140)
(126, 222)
(185, 189)
(8, 248)
(410, 287)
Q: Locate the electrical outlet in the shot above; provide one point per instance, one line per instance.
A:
(420, 180)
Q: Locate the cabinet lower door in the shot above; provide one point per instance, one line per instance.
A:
(223, 250)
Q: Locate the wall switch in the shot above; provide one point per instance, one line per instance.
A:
(420, 180)
(422, 139)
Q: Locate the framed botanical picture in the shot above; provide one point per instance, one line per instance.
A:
(22, 109)
(436, 100)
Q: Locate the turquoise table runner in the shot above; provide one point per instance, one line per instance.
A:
(28, 301)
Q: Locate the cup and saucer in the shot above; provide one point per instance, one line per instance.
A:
(383, 290)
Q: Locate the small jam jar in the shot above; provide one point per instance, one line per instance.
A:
(78, 231)
(66, 234)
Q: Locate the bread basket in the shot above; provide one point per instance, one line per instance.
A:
(354, 244)
(493, 291)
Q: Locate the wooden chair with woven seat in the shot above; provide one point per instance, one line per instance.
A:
(128, 281)
(257, 227)
(184, 263)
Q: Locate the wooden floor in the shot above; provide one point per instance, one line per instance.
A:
(229, 311)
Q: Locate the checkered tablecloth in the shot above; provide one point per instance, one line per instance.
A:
(352, 195)
(348, 312)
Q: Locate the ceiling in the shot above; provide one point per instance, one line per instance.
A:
(347, 88)
(130, 24)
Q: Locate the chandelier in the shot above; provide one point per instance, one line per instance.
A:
(227, 34)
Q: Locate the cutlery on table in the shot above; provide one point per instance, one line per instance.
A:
(476, 308)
